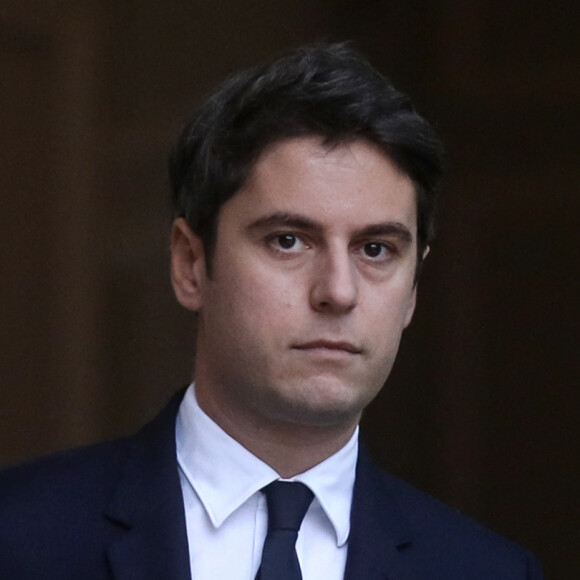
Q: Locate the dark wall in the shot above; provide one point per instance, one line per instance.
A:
(481, 409)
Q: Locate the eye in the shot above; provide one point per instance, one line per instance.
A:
(286, 243)
(376, 251)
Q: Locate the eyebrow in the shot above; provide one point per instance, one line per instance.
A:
(290, 220)
(391, 229)
(286, 220)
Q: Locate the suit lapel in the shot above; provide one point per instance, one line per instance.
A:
(377, 532)
(147, 507)
(149, 520)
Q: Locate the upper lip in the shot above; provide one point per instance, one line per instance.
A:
(330, 344)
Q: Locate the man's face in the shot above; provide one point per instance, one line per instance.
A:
(311, 285)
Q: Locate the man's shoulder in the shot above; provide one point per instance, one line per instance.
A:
(52, 512)
(60, 513)
(432, 532)
(428, 516)
(90, 473)
(64, 475)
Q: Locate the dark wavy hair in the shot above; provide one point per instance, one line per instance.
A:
(326, 90)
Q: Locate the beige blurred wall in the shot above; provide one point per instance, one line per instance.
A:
(482, 407)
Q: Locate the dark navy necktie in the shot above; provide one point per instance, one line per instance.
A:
(287, 505)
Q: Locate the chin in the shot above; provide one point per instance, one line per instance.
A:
(324, 403)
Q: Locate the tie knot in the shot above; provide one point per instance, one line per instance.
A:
(288, 503)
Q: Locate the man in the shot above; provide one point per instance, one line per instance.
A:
(303, 194)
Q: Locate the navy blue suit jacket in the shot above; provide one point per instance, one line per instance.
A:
(115, 511)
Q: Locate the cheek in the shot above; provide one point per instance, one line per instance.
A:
(262, 289)
(256, 301)
(389, 315)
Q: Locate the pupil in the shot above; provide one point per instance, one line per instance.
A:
(287, 241)
(373, 250)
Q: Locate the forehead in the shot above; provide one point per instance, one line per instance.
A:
(353, 181)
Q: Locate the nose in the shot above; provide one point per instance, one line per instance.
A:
(334, 287)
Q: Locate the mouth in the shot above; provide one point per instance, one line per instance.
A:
(330, 346)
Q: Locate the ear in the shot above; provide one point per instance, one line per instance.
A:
(188, 273)
(411, 307)
(413, 298)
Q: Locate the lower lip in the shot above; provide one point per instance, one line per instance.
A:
(328, 353)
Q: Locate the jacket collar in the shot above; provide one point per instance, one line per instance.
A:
(147, 507)
(147, 510)
(378, 532)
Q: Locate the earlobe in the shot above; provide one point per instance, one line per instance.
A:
(187, 265)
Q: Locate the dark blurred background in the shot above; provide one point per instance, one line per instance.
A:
(482, 407)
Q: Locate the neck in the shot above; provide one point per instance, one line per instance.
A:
(288, 448)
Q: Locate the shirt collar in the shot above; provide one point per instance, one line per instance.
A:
(224, 474)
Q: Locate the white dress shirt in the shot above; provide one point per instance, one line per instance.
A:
(226, 514)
